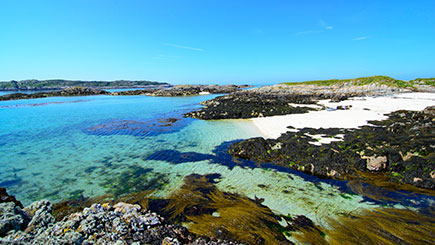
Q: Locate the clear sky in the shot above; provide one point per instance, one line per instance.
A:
(216, 41)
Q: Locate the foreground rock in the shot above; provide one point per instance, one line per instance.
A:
(402, 148)
(122, 223)
(283, 99)
(75, 91)
(185, 90)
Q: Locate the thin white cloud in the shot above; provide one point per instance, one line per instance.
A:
(323, 24)
(183, 47)
(359, 38)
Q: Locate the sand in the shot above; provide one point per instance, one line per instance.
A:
(363, 110)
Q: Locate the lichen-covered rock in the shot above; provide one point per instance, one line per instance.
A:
(12, 218)
(122, 223)
(41, 213)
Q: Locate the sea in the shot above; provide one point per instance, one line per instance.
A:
(62, 148)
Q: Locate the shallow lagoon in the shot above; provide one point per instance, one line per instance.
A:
(61, 148)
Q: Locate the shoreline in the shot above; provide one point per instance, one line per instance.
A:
(363, 109)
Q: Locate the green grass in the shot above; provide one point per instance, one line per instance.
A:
(380, 80)
(425, 81)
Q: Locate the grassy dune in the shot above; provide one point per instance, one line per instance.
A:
(379, 80)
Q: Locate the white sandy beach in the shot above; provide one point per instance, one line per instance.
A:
(363, 110)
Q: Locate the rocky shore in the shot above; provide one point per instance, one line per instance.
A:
(186, 90)
(59, 84)
(168, 91)
(283, 99)
(75, 91)
(401, 149)
(121, 223)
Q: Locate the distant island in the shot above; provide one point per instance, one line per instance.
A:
(59, 84)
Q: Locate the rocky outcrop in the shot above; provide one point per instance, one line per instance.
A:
(424, 84)
(185, 90)
(75, 91)
(59, 84)
(247, 104)
(122, 223)
(169, 91)
(280, 99)
(12, 218)
(402, 148)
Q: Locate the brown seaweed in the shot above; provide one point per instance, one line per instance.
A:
(378, 226)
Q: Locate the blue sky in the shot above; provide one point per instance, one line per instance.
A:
(216, 41)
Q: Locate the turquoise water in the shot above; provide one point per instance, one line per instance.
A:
(67, 147)
(47, 150)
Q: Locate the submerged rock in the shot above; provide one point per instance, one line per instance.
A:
(150, 127)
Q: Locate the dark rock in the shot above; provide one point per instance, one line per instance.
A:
(430, 110)
(401, 147)
(185, 90)
(74, 91)
(5, 197)
(278, 100)
(249, 105)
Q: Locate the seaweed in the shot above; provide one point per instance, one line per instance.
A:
(223, 215)
(378, 226)
(239, 218)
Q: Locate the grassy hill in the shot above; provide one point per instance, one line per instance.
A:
(59, 84)
(424, 81)
(380, 80)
